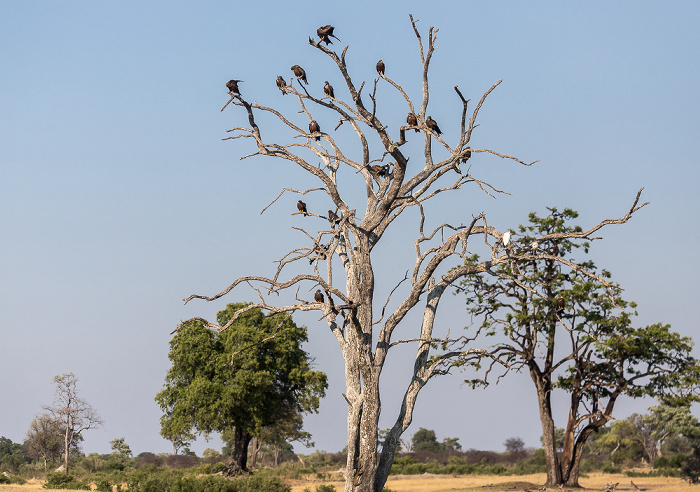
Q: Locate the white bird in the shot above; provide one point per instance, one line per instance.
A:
(535, 245)
(506, 238)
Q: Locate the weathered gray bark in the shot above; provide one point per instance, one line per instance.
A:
(349, 311)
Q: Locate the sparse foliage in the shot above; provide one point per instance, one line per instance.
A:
(514, 445)
(45, 439)
(75, 414)
(366, 324)
(120, 448)
(566, 324)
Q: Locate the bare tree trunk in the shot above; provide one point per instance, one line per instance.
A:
(65, 452)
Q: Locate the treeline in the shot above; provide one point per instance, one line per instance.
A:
(665, 441)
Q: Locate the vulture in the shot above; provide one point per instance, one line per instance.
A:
(318, 296)
(432, 124)
(333, 218)
(325, 32)
(380, 171)
(560, 304)
(302, 208)
(412, 120)
(281, 84)
(380, 68)
(314, 128)
(300, 73)
(232, 86)
(328, 90)
(466, 154)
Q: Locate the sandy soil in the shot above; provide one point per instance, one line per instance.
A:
(444, 483)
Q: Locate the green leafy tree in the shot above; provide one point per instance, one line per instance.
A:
(451, 444)
(120, 448)
(561, 321)
(664, 422)
(75, 414)
(239, 381)
(425, 440)
(45, 439)
(12, 455)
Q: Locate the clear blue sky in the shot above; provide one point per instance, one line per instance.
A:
(118, 197)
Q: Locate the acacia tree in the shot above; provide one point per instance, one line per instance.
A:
(563, 326)
(270, 379)
(363, 324)
(75, 414)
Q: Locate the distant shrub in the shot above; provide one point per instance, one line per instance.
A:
(147, 459)
(103, 485)
(264, 482)
(181, 461)
(672, 461)
(325, 488)
(61, 480)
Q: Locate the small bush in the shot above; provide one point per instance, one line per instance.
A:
(60, 480)
(265, 482)
(103, 485)
(325, 488)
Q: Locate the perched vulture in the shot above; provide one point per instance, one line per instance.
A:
(281, 84)
(328, 90)
(299, 73)
(466, 154)
(302, 208)
(232, 86)
(412, 120)
(560, 304)
(314, 128)
(380, 171)
(380, 67)
(432, 124)
(325, 32)
(318, 296)
(333, 218)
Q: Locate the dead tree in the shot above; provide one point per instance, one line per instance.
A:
(355, 317)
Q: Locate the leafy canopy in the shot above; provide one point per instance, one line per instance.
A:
(249, 376)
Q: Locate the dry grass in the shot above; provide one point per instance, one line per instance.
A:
(490, 483)
(486, 483)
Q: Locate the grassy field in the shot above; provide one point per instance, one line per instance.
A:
(485, 483)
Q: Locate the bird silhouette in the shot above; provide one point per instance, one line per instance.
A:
(328, 90)
(314, 128)
(302, 208)
(333, 218)
(299, 73)
(232, 86)
(380, 68)
(325, 32)
(318, 296)
(281, 84)
(432, 124)
(412, 120)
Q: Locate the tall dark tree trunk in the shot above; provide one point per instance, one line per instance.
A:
(239, 454)
(544, 391)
